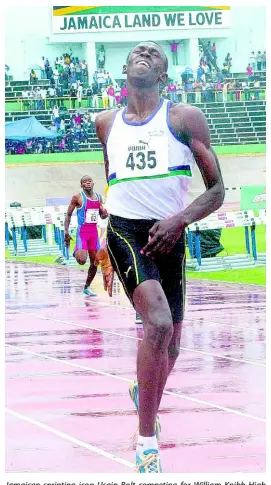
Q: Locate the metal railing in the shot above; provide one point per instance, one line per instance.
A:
(193, 97)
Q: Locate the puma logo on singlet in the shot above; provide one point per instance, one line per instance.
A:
(144, 142)
(126, 272)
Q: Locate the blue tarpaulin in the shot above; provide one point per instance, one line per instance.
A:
(27, 128)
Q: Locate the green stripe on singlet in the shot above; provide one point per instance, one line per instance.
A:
(188, 173)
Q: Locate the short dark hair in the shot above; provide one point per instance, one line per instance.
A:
(84, 177)
(152, 42)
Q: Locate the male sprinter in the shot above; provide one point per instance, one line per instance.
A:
(150, 148)
(89, 206)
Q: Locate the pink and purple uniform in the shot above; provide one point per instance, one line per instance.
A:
(87, 233)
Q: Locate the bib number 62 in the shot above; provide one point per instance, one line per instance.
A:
(138, 160)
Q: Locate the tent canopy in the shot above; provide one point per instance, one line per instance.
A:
(27, 128)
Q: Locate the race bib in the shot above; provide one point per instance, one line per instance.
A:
(145, 158)
(92, 216)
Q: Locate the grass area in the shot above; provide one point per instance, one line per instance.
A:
(31, 259)
(233, 241)
(253, 276)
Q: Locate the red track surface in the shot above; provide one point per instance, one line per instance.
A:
(70, 359)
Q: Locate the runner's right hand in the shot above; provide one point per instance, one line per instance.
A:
(67, 239)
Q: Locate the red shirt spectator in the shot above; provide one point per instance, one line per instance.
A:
(249, 71)
(171, 87)
(111, 91)
(77, 119)
(124, 92)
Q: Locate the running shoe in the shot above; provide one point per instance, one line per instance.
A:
(133, 391)
(138, 318)
(148, 462)
(88, 292)
(60, 259)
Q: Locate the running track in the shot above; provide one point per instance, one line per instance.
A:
(70, 358)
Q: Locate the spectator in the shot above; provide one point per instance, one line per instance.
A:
(42, 68)
(25, 99)
(95, 77)
(73, 96)
(89, 94)
(246, 90)
(43, 94)
(51, 93)
(84, 69)
(231, 89)
(214, 50)
(56, 112)
(219, 93)
(237, 90)
(203, 92)
(123, 93)
(257, 89)
(28, 146)
(56, 75)
(30, 99)
(200, 74)
(6, 72)
(225, 69)
(179, 92)
(60, 70)
(264, 61)
(101, 80)
(47, 68)
(259, 59)
(95, 99)
(20, 149)
(33, 77)
(111, 96)
(117, 95)
(252, 61)
(105, 97)
(79, 94)
(101, 57)
(73, 81)
(249, 71)
(61, 145)
(228, 61)
(78, 72)
(62, 126)
(77, 120)
(35, 99)
(108, 79)
(197, 89)
(225, 92)
(60, 94)
(219, 76)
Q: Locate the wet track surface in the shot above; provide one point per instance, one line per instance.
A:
(70, 358)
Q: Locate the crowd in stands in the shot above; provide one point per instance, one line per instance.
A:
(69, 80)
(78, 129)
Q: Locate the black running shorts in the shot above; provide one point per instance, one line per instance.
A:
(125, 240)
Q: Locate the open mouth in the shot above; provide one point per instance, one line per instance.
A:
(143, 62)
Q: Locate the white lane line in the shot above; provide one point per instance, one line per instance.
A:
(107, 374)
(70, 438)
(71, 364)
(64, 322)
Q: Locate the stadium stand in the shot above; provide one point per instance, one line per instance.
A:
(231, 122)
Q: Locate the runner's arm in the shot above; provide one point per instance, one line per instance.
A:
(206, 159)
(73, 204)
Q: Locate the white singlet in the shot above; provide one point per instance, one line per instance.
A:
(150, 169)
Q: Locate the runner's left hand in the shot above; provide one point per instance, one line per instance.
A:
(163, 236)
